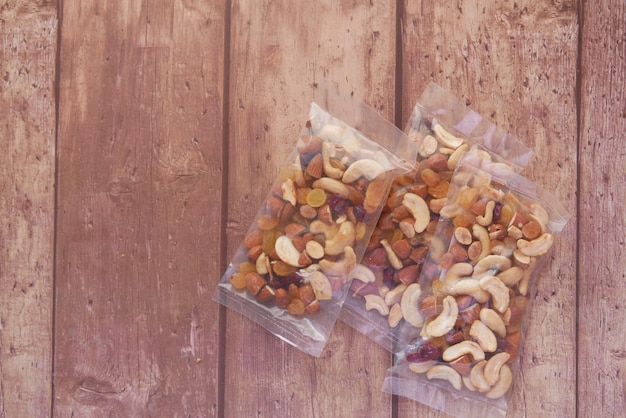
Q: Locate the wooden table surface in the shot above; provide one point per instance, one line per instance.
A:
(138, 139)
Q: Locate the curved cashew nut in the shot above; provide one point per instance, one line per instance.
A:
(445, 373)
(344, 238)
(464, 347)
(503, 385)
(493, 367)
(367, 168)
(522, 286)
(488, 217)
(408, 305)
(377, 303)
(321, 285)
(333, 186)
(446, 138)
(329, 151)
(362, 273)
(340, 268)
(491, 265)
(455, 157)
(511, 276)
(391, 256)
(446, 319)
(320, 227)
(491, 319)
(422, 367)
(454, 274)
(481, 234)
(536, 247)
(498, 290)
(540, 215)
(419, 209)
(427, 146)
(484, 336)
(287, 252)
(467, 381)
(471, 287)
(395, 315)
(395, 295)
(477, 377)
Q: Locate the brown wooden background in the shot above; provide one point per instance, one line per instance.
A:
(137, 139)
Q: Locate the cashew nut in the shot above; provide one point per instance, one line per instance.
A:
(261, 264)
(446, 373)
(488, 217)
(367, 168)
(329, 151)
(467, 381)
(362, 273)
(481, 234)
(344, 238)
(491, 265)
(522, 286)
(320, 227)
(321, 285)
(427, 146)
(408, 305)
(286, 251)
(446, 319)
(454, 274)
(498, 290)
(493, 367)
(395, 295)
(511, 276)
(540, 215)
(502, 385)
(484, 336)
(422, 367)
(455, 157)
(395, 315)
(333, 186)
(477, 377)
(391, 256)
(340, 268)
(446, 138)
(536, 247)
(419, 209)
(377, 303)
(464, 347)
(491, 319)
(471, 287)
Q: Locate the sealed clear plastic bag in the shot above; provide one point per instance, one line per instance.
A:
(382, 296)
(495, 231)
(291, 272)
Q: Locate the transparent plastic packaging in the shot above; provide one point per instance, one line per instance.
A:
(381, 297)
(292, 270)
(495, 231)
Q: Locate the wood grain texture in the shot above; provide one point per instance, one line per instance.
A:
(515, 63)
(140, 168)
(279, 50)
(602, 223)
(27, 158)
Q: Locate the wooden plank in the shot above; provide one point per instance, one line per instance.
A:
(278, 51)
(515, 63)
(27, 160)
(140, 168)
(602, 217)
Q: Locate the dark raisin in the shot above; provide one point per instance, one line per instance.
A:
(497, 211)
(337, 204)
(421, 350)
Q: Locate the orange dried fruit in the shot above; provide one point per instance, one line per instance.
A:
(283, 269)
(430, 177)
(247, 267)
(296, 307)
(374, 195)
(267, 222)
(440, 190)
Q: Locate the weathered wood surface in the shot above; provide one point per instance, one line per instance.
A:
(27, 161)
(173, 118)
(139, 186)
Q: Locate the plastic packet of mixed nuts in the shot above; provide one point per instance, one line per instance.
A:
(290, 273)
(495, 231)
(382, 299)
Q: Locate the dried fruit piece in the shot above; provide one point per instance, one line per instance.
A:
(316, 198)
(238, 280)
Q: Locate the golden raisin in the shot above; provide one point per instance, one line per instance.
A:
(316, 198)
(238, 280)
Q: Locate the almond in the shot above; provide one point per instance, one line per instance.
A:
(255, 252)
(307, 294)
(315, 167)
(419, 254)
(309, 144)
(304, 259)
(253, 238)
(438, 162)
(294, 229)
(282, 298)
(274, 205)
(254, 283)
(408, 275)
(432, 306)
(324, 214)
(313, 307)
(402, 248)
(267, 293)
(376, 257)
(459, 253)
